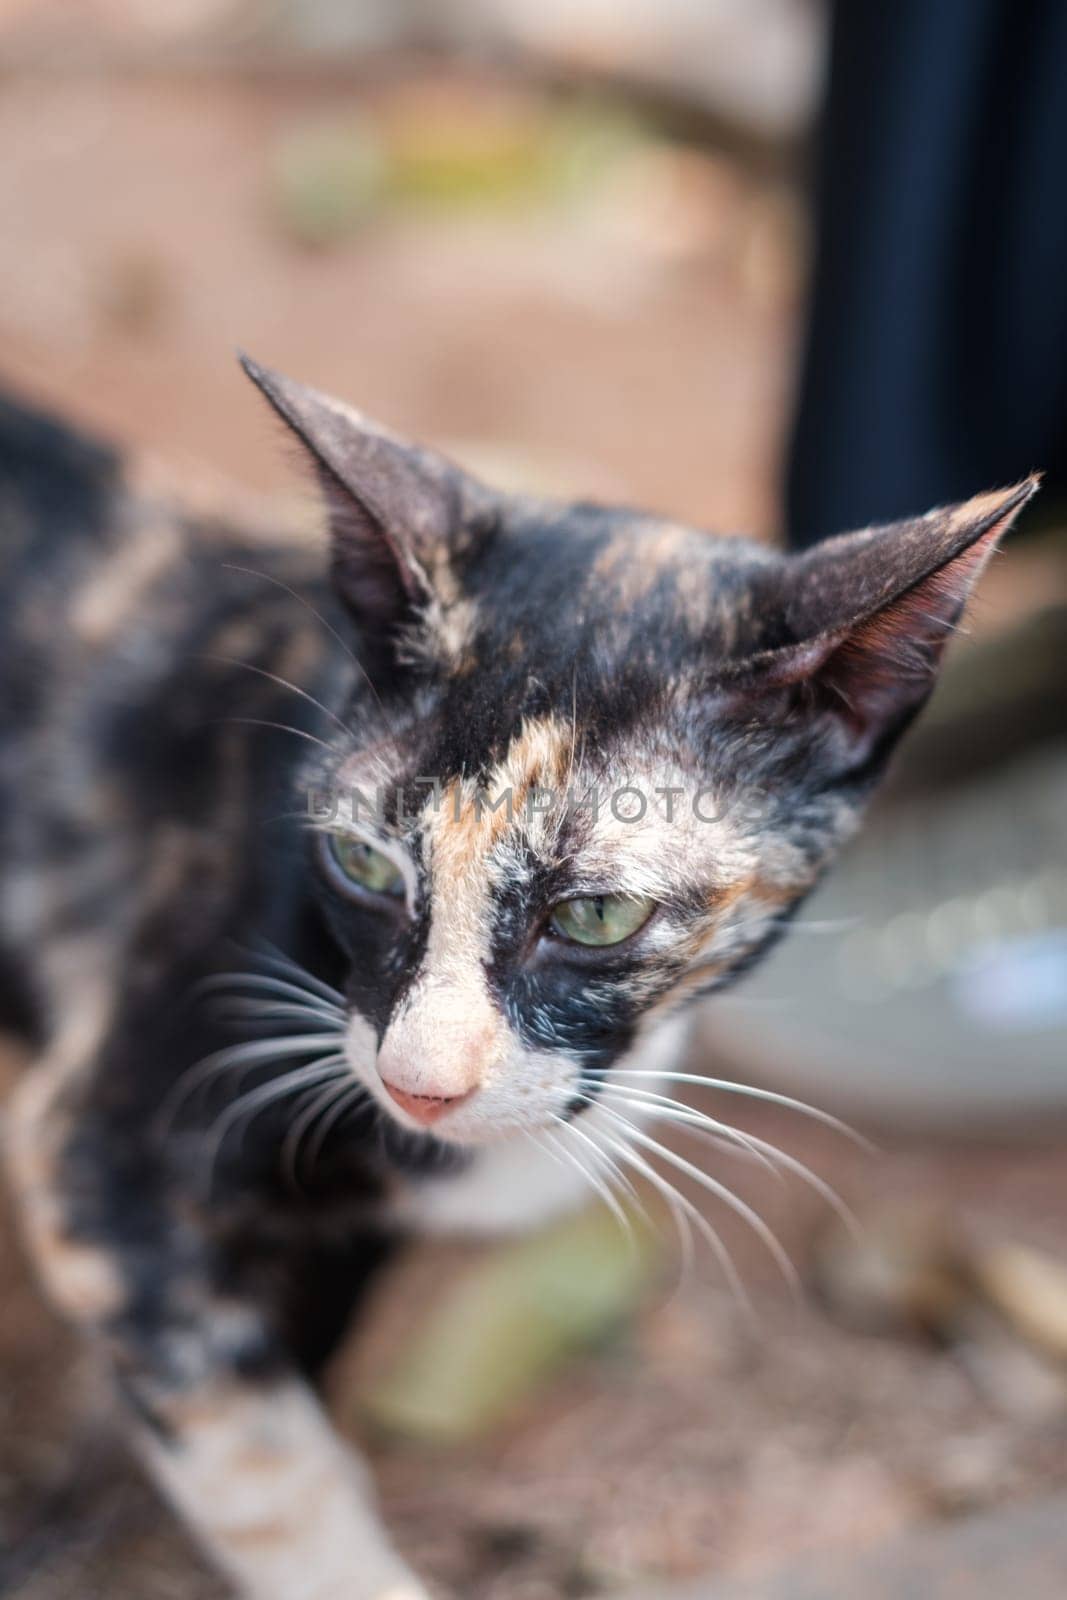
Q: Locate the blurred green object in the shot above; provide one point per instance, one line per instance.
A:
(505, 1324)
(503, 155)
(427, 151)
(328, 179)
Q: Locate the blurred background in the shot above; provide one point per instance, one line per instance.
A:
(772, 267)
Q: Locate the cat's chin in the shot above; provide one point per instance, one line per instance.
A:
(509, 1184)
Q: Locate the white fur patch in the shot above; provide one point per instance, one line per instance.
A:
(279, 1502)
(525, 1180)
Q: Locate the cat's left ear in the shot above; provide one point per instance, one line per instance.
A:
(865, 617)
(394, 509)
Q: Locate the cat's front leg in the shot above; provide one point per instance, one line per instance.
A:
(281, 1504)
(234, 1436)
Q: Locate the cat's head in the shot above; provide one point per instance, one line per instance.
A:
(596, 759)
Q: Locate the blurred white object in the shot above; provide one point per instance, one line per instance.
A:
(759, 61)
(927, 980)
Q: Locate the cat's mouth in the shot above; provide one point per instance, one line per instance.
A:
(425, 1110)
(481, 1115)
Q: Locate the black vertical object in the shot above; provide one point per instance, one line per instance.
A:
(936, 356)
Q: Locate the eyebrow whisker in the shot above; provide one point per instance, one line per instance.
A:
(301, 600)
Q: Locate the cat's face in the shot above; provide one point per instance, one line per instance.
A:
(591, 762)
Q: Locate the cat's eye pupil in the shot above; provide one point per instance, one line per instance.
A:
(362, 864)
(600, 919)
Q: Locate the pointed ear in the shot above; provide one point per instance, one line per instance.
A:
(868, 615)
(392, 506)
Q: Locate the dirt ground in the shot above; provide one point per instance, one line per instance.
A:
(696, 1441)
(138, 247)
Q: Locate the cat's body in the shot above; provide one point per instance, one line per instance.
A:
(175, 806)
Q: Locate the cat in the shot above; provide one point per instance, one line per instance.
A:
(345, 898)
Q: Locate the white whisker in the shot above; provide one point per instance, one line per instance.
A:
(234, 1012)
(772, 1156)
(720, 1190)
(320, 1104)
(266, 981)
(253, 1051)
(599, 1185)
(249, 1053)
(685, 1215)
(731, 1138)
(284, 683)
(753, 1093)
(249, 1105)
(553, 1147)
(600, 1155)
(353, 1095)
(269, 954)
(279, 727)
(236, 1008)
(300, 599)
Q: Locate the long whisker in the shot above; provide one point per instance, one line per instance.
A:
(248, 1053)
(771, 1155)
(274, 985)
(592, 1177)
(235, 1007)
(685, 1215)
(600, 1155)
(733, 1139)
(283, 683)
(676, 1205)
(353, 1096)
(256, 1050)
(753, 1093)
(244, 1109)
(320, 1103)
(301, 600)
(548, 1141)
(270, 955)
(280, 727)
(740, 1207)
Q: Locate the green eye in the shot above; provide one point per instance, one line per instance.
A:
(601, 919)
(365, 866)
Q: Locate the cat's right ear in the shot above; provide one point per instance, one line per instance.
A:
(393, 508)
(863, 621)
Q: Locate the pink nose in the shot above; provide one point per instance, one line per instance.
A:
(424, 1108)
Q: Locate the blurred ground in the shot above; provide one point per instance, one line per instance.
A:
(634, 349)
(694, 1442)
(631, 338)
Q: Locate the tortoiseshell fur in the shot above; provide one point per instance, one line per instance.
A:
(173, 689)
